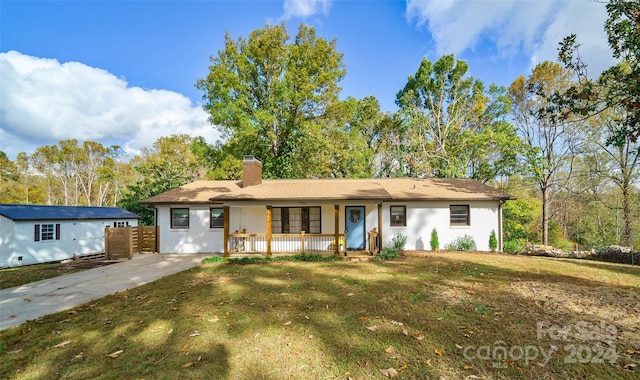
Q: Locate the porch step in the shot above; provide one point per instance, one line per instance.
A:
(358, 256)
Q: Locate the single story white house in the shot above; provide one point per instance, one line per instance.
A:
(31, 234)
(300, 215)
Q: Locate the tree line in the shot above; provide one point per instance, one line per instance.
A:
(564, 144)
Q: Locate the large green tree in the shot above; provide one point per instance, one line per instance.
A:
(618, 86)
(613, 156)
(453, 126)
(552, 146)
(170, 163)
(270, 96)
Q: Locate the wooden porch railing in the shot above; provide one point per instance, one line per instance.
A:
(241, 242)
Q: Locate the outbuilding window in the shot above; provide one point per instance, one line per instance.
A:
(48, 231)
(180, 218)
(459, 215)
(398, 216)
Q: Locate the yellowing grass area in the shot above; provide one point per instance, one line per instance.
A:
(438, 315)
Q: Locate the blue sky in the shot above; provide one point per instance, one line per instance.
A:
(123, 72)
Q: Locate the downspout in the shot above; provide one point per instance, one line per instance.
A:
(500, 248)
(380, 227)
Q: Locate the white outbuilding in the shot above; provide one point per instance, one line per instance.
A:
(31, 234)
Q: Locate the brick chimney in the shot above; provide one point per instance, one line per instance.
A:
(251, 171)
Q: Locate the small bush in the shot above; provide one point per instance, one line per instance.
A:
(387, 254)
(398, 242)
(462, 243)
(317, 257)
(434, 242)
(512, 246)
(493, 241)
(214, 259)
(260, 260)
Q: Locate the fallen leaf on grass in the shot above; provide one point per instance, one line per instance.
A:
(195, 333)
(66, 342)
(79, 356)
(418, 336)
(115, 354)
(389, 372)
(396, 323)
(405, 332)
(286, 323)
(468, 366)
(363, 318)
(389, 349)
(403, 368)
(184, 348)
(438, 352)
(350, 295)
(459, 347)
(372, 328)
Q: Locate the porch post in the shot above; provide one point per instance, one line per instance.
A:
(379, 227)
(269, 210)
(225, 218)
(336, 217)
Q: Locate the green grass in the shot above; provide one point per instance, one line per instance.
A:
(339, 319)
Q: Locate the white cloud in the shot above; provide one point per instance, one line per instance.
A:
(45, 101)
(305, 8)
(513, 27)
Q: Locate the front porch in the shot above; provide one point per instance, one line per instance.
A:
(245, 242)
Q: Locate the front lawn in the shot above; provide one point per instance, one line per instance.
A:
(447, 315)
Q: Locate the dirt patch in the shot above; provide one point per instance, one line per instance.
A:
(602, 304)
(81, 265)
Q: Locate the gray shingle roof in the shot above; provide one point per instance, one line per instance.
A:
(39, 212)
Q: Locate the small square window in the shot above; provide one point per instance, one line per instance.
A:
(217, 217)
(459, 215)
(46, 232)
(180, 218)
(398, 216)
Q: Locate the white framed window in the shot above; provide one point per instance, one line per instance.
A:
(46, 232)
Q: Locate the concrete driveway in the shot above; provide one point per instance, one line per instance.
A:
(32, 301)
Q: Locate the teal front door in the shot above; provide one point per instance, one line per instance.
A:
(355, 216)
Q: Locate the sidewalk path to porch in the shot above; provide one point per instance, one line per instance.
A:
(31, 301)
